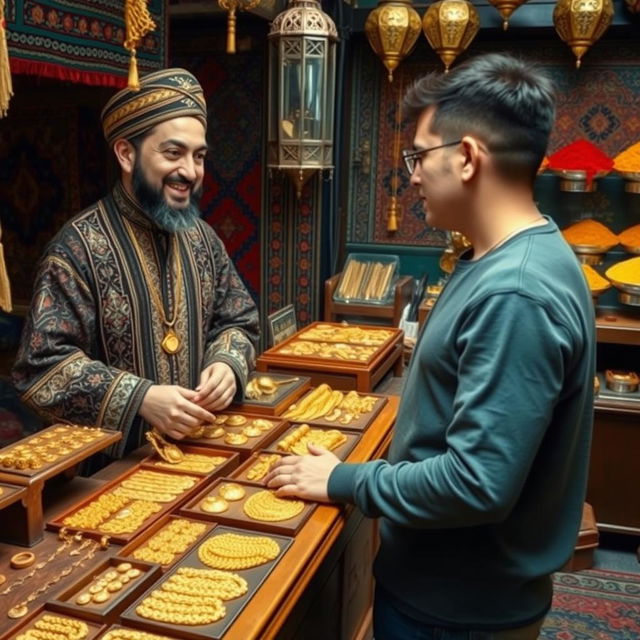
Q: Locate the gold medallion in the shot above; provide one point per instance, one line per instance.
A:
(170, 343)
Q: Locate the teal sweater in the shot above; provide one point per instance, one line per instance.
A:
(481, 497)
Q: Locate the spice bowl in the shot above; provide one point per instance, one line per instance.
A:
(575, 180)
(628, 292)
(631, 182)
(590, 254)
(622, 381)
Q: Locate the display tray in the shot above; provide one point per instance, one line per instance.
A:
(30, 624)
(225, 467)
(63, 441)
(108, 611)
(252, 444)
(254, 576)
(342, 451)
(273, 404)
(10, 494)
(241, 472)
(348, 334)
(235, 515)
(357, 424)
(123, 632)
(121, 538)
(141, 540)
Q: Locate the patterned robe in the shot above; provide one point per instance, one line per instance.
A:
(91, 344)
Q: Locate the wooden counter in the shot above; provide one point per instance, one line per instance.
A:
(335, 540)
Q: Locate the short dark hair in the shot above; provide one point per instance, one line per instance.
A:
(506, 102)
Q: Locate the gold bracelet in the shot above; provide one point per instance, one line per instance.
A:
(22, 560)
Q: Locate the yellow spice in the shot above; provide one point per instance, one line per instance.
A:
(627, 271)
(628, 160)
(594, 279)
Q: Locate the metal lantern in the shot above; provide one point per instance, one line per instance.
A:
(302, 72)
(450, 26)
(580, 23)
(392, 29)
(506, 8)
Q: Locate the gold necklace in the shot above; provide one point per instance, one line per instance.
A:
(170, 342)
(511, 234)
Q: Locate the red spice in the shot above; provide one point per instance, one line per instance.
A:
(581, 155)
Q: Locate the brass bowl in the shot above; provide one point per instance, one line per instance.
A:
(631, 181)
(627, 293)
(590, 254)
(575, 180)
(622, 381)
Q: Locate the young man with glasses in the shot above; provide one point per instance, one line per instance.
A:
(481, 497)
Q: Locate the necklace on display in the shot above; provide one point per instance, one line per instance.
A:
(530, 223)
(170, 342)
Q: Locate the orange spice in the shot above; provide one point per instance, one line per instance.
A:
(631, 237)
(594, 279)
(627, 271)
(544, 164)
(628, 160)
(591, 233)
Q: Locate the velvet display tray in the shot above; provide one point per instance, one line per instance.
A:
(10, 494)
(72, 457)
(141, 539)
(122, 538)
(241, 472)
(235, 515)
(358, 424)
(29, 624)
(342, 451)
(105, 612)
(252, 444)
(156, 463)
(276, 403)
(254, 576)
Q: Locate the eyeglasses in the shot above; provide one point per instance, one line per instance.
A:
(412, 156)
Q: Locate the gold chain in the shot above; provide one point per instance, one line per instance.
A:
(170, 342)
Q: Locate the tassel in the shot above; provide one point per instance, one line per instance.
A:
(5, 286)
(6, 89)
(138, 22)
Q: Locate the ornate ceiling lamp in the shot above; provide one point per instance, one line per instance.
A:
(580, 23)
(302, 76)
(450, 26)
(392, 29)
(232, 6)
(506, 8)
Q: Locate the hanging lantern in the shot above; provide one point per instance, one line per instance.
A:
(392, 29)
(231, 6)
(450, 26)
(506, 8)
(580, 23)
(302, 72)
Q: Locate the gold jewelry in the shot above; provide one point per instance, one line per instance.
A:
(22, 560)
(235, 551)
(214, 504)
(129, 634)
(170, 541)
(213, 431)
(266, 506)
(510, 235)
(171, 342)
(299, 440)
(231, 491)
(55, 628)
(262, 466)
(236, 438)
(252, 431)
(236, 420)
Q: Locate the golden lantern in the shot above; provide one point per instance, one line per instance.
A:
(392, 29)
(231, 6)
(506, 8)
(580, 23)
(450, 26)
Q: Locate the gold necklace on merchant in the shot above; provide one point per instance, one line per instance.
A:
(170, 342)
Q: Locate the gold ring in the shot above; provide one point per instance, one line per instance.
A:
(22, 560)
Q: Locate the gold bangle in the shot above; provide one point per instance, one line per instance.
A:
(3, 578)
(22, 560)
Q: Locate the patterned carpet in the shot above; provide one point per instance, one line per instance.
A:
(594, 605)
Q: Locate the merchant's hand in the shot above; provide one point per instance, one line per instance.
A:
(217, 387)
(304, 476)
(172, 411)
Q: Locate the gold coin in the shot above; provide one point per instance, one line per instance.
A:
(213, 432)
(114, 586)
(231, 491)
(197, 433)
(110, 575)
(236, 438)
(134, 573)
(252, 431)
(100, 597)
(262, 424)
(214, 504)
(123, 567)
(221, 419)
(84, 598)
(236, 420)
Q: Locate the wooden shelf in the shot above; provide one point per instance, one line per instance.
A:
(615, 326)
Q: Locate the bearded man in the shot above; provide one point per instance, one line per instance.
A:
(138, 316)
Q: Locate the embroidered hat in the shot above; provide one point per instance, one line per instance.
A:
(163, 95)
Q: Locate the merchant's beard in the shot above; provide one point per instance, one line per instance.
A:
(155, 206)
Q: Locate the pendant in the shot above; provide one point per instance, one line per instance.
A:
(170, 343)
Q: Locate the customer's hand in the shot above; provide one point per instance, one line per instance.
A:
(171, 410)
(304, 476)
(217, 387)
